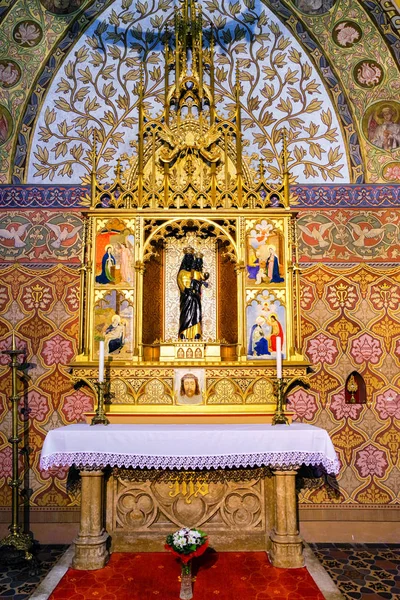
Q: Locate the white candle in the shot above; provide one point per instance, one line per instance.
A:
(279, 357)
(101, 361)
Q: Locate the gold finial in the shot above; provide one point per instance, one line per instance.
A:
(13, 344)
(94, 150)
(237, 80)
(141, 80)
(118, 168)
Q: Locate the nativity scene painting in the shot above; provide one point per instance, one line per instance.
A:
(264, 255)
(265, 323)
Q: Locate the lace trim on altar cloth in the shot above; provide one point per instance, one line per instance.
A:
(269, 459)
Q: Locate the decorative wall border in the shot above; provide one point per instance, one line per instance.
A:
(42, 196)
(347, 196)
(369, 196)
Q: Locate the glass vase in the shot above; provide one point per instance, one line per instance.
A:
(186, 581)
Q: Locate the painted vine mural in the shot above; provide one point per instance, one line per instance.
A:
(98, 92)
(352, 54)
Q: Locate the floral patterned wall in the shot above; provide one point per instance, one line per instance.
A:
(39, 301)
(351, 323)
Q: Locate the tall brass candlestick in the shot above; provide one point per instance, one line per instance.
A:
(16, 539)
(100, 417)
(279, 417)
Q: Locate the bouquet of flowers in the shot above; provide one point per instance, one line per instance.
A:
(187, 543)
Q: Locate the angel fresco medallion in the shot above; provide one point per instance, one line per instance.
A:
(264, 255)
(381, 125)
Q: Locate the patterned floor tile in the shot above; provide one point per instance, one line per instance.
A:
(17, 583)
(362, 571)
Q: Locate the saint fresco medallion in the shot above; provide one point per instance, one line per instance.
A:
(314, 7)
(381, 125)
(346, 34)
(27, 34)
(368, 74)
(61, 7)
(10, 73)
(6, 124)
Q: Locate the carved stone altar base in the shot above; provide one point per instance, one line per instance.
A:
(91, 551)
(241, 510)
(286, 545)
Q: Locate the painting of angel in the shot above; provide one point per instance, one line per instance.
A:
(115, 259)
(263, 266)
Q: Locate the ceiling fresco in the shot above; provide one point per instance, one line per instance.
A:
(326, 70)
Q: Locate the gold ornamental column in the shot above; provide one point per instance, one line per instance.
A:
(91, 543)
(286, 545)
(241, 347)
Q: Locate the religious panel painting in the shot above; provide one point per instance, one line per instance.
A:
(264, 254)
(115, 252)
(189, 386)
(266, 320)
(114, 323)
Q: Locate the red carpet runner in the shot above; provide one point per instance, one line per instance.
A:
(219, 576)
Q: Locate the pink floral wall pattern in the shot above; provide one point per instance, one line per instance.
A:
(350, 320)
(42, 308)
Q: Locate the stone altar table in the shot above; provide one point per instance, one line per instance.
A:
(137, 508)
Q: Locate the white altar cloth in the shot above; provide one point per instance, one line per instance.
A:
(189, 446)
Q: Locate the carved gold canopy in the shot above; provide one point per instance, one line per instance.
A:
(190, 156)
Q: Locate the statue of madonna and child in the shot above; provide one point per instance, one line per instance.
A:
(190, 280)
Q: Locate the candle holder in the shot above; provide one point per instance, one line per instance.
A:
(100, 417)
(16, 540)
(280, 389)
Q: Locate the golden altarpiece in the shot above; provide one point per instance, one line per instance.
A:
(190, 225)
(190, 189)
